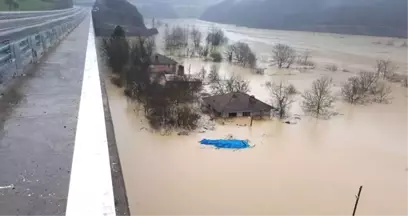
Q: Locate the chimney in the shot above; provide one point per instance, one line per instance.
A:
(252, 99)
(180, 71)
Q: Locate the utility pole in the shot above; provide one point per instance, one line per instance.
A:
(357, 199)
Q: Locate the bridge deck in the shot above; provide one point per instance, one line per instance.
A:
(38, 120)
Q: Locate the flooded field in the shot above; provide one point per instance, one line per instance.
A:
(313, 167)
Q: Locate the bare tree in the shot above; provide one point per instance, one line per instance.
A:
(204, 51)
(242, 54)
(251, 60)
(365, 87)
(231, 84)
(235, 83)
(382, 92)
(229, 53)
(351, 90)
(214, 76)
(385, 68)
(196, 37)
(281, 97)
(283, 55)
(303, 59)
(202, 74)
(216, 37)
(150, 45)
(175, 38)
(318, 100)
(367, 81)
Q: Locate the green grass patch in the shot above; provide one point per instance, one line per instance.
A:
(29, 5)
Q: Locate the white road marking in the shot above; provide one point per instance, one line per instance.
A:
(90, 188)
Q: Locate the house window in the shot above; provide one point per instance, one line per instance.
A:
(246, 114)
(232, 114)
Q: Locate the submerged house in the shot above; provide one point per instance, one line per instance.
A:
(236, 104)
(162, 64)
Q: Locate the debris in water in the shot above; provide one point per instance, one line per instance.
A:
(183, 133)
(209, 128)
(229, 136)
(291, 121)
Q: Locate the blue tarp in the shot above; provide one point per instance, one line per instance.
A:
(228, 144)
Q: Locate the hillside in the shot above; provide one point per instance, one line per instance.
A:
(107, 14)
(173, 8)
(158, 10)
(364, 17)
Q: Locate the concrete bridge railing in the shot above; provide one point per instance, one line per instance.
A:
(17, 54)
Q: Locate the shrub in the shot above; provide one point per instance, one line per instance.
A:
(405, 82)
(385, 68)
(332, 67)
(216, 56)
(291, 89)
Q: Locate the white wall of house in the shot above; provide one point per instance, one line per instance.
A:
(241, 114)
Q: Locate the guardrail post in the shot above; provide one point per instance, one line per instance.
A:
(7, 61)
(23, 54)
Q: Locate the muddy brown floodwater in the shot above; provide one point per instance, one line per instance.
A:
(312, 168)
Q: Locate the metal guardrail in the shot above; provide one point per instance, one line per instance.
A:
(4, 15)
(18, 53)
(8, 24)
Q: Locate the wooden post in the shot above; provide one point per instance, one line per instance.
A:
(252, 118)
(357, 199)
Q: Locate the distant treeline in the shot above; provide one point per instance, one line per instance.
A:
(364, 17)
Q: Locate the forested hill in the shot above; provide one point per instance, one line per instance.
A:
(107, 14)
(364, 17)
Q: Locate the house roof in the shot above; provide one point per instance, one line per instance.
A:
(159, 59)
(236, 102)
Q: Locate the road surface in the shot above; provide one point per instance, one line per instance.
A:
(41, 173)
